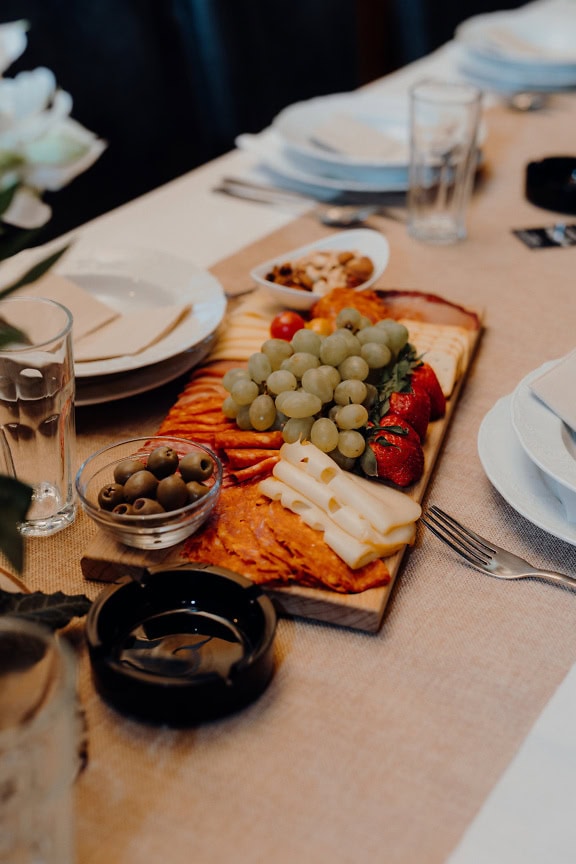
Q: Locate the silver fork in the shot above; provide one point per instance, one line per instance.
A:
(484, 555)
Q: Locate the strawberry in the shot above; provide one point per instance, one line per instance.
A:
(424, 376)
(393, 453)
(414, 407)
(395, 423)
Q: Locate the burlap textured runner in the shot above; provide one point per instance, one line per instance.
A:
(367, 748)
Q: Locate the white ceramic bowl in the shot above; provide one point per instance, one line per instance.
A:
(154, 531)
(365, 241)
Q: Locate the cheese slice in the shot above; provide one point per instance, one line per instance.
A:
(445, 347)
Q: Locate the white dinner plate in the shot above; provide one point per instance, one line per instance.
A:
(298, 124)
(111, 388)
(302, 172)
(516, 477)
(365, 241)
(131, 279)
(536, 36)
(547, 440)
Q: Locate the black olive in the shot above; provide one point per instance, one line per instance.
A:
(196, 466)
(146, 507)
(126, 468)
(196, 490)
(172, 492)
(163, 461)
(110, 495)
(143, 484)
(124, 509)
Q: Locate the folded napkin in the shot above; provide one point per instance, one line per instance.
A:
(129, 334)
(88, 312)
(352, 137)
(557, 387)
(100, 332)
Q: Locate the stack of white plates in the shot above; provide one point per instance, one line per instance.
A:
(529, 455)
(129, 281)
(345, 142)
(533, 48)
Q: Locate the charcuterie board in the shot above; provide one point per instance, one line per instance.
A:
(106, 560)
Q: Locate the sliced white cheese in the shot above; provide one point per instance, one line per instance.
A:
(318, 493)
(316, 463)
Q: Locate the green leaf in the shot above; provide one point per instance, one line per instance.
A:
(9, 335)
(16, 239)
(35, 272)
(15, 500)
(52, 610)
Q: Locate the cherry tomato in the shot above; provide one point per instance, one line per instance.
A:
(322, 326)
(285, 325)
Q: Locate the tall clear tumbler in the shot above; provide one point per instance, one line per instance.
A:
(444, 122)
(37, 428)
(39, 734)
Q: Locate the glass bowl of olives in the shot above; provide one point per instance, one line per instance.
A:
(150, 493)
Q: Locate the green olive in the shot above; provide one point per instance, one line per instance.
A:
(125, 469)
(196, 466)
(143, 484)
(196, 491)
(146, 507)
(124, 509)
(172, 492)
(110, 495)
(163, 461)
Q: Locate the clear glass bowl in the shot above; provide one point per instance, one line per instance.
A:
(154, 531)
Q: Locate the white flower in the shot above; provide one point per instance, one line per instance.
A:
(41, 146)
(13, 43)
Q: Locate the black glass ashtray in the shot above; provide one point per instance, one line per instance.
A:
(551, 183)
(181, 645)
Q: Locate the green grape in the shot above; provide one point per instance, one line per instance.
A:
(345, 462)
(334, 349)
(276, 350)
(233, 375)
(352, 341)
(376, 354)
(244, 391)
(324, 434)
(296, 429)
(333, 412)
(350, 391)
(313, 381)
(351, 443)
(298, 363)
(354, 367)
(262, 412)
(397, 333)
(230, 408)
(374, 333)
(351, 417)
(298, 404)
(350, 318)
(364, 322)
(307, 341)
(331, 374)
(259, 367)
(243, 418)
(281, 380)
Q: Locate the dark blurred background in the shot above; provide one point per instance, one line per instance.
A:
(170, 83)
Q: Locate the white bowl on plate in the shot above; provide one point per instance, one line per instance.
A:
(547, 441)
(365, 241)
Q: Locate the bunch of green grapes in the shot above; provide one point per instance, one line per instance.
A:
(316, 388)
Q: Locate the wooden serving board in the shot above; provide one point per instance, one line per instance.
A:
(105, 560)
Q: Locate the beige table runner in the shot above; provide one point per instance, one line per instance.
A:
(366, 747)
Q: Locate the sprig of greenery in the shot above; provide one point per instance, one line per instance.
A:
(51, 610)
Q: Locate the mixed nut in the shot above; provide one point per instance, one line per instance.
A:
(323, 271)
(164, 482)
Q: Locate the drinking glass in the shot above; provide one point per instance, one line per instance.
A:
(39, 734)
(37, 427)
(444, 120)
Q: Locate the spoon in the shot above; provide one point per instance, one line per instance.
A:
(526, 100)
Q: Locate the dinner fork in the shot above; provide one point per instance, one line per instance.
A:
(484, 555)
